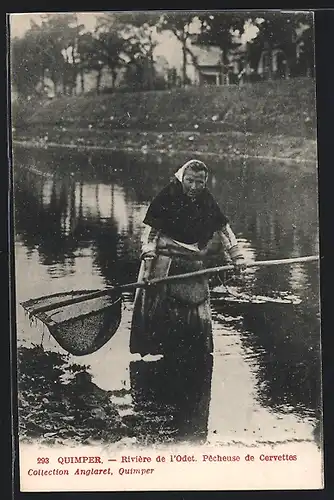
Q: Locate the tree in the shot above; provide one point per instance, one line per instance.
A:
(112, 46)
(180, 25)
(101, 49)
(90, 58)
(277, 30)
(27, 68)
(218, 29)
(139, 28)
(49, 50)
(305, 61)
(254, 50)
(60, 34)
(136, 30)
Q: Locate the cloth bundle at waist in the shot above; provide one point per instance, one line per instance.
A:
(184, 258)
(168, 246)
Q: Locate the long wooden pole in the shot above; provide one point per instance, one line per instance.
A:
(214, 270)
(145, 284)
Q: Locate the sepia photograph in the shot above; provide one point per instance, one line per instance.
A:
(165, 234)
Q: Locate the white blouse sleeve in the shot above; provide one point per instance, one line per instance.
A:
(230, 243)
(150, 241)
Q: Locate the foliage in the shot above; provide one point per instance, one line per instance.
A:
(90, 57)
(60, 50)
(279, 31)
(49, 50)
(218, 29)
(61, 33)
(26, 65)
(110, 47)
(180, 25)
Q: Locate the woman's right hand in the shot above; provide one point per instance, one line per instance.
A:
(149, 255)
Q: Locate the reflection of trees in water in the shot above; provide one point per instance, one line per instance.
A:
(54, 216)
(42, 225)
(283, 341)
(114, 255)
(268, 207)
(143, 176)
(117, 247)
(171, 399)
(277, 213)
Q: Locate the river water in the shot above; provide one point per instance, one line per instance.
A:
(78, 224)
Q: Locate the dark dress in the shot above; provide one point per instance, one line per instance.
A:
(175, 318)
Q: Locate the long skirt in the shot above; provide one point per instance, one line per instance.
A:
(174, 318)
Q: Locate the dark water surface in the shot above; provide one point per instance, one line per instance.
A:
(78, 224)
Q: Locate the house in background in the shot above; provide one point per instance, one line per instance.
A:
(275, 63)
(204, 63)
(206, 67)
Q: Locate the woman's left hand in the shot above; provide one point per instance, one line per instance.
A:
(202, 254)
(239, 266)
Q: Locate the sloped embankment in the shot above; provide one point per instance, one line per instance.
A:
(274, 119)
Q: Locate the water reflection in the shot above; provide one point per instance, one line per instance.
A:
(60, 216)
(79, 218)
(281, 341)
(171, 399)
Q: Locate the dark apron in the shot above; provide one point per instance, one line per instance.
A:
(176, 312)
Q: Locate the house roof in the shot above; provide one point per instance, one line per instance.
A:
(211, 56)
(206, 56)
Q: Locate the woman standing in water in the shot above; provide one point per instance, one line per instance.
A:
(185, 225)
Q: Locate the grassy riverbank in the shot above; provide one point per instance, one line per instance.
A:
(270, 119)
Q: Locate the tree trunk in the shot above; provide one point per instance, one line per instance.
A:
(43, 79)
(98, 81)
(82, 80)
(65, 75)
(184, 61)
(151, 71)
(73, 82)
(113, 77)
(223, 75)
(74, 72)
(270, 64)
(64, 85)
(151, 68)
(54, 81)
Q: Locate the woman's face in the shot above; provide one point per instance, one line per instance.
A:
(193, 182)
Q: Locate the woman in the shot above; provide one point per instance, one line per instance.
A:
(186, 225)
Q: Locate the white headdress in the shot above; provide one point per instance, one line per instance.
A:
(179, 174)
